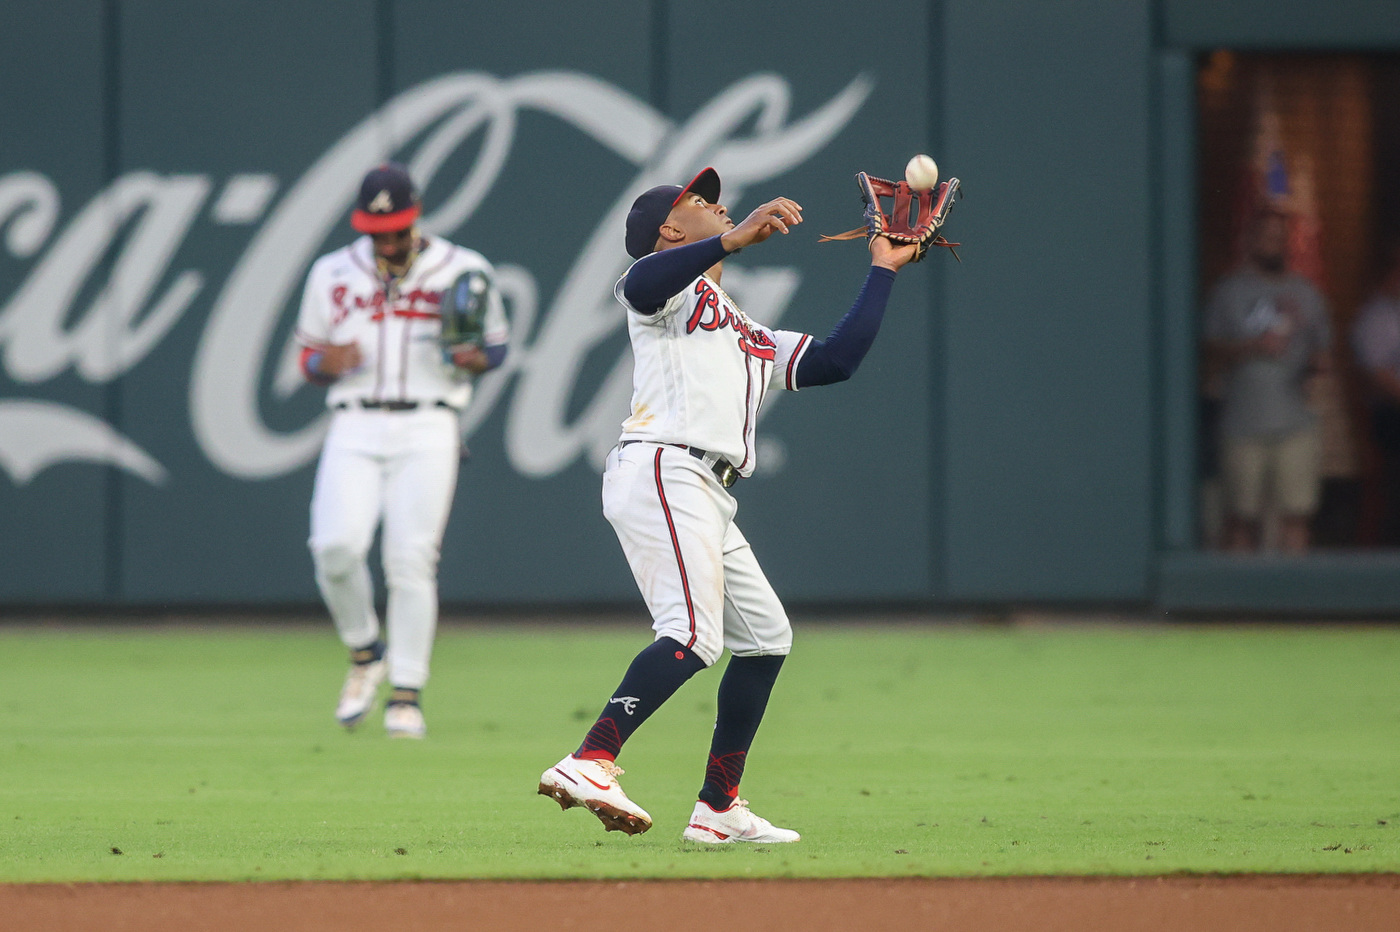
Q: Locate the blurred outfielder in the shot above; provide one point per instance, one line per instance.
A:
(396, 324)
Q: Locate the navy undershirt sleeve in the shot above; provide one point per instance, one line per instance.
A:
(652, 280)
(495, 354)
(836, 358)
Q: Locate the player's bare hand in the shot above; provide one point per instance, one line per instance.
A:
(776, 216)
(470, 357)
(341, 358)
(890, 255)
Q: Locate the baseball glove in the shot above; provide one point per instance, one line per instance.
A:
(463, 311)
(915, 217)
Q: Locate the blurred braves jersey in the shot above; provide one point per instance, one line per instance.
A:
(701, 369)
(395, 323)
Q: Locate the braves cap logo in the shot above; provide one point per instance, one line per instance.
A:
(388, 201)
(382, 203)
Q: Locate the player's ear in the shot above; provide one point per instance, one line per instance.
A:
(670, 234)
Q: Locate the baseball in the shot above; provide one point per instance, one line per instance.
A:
(921, 173)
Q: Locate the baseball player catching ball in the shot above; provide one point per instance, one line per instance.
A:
(371, 330)
(702, 369)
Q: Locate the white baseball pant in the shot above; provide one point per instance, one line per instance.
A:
(696, 572)
(398, 468)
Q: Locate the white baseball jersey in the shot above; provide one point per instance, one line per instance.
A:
(396, 327)
(701, 369)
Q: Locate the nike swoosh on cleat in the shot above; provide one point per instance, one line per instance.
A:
(705, 828)
(601, 786)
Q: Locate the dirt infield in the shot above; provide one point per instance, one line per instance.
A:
(1179, 904)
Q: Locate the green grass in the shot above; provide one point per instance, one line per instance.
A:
(943, 750)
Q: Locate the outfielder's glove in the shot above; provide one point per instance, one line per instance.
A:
(897, 225)
(463, 313)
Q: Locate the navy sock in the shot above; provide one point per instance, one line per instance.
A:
(370, 653)
(655, 674)
(743, 698)
(406, 695)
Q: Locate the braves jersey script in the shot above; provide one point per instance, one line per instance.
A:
(701, 369)
(395, 324)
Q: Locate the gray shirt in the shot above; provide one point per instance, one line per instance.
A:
(1264, 395)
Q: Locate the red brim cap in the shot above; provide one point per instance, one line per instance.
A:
(366, 222)
(705, 184)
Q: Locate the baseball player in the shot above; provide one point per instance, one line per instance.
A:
(701, 370)
(370, 326)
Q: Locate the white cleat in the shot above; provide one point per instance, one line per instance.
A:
(734, 824)
(361, 686)
(593, 785)
(404, 720)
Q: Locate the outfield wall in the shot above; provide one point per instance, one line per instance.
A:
(1019, 434)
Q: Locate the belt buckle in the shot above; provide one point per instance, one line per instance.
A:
(726, 473)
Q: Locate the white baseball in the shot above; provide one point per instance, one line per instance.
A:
(921, 173)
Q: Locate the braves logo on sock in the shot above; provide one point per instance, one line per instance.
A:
(628, 703)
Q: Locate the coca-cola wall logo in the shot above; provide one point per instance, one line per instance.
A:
(43, 335)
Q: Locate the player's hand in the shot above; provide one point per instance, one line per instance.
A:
(470, 357)
(340, 358)
(776, 216)
(890, 255)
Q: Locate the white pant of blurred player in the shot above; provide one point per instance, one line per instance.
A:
(398, 469)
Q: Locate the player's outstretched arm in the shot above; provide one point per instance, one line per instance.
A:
(653, 279)
(836, 358)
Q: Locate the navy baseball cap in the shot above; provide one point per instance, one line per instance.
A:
(388, 201)
(652, 207)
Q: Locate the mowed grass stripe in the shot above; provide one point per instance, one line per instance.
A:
(939, 750)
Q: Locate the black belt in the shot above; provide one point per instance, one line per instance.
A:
(721, 467)
(373, 405)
